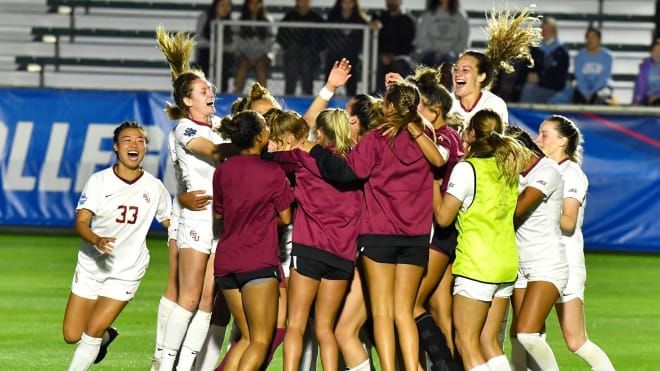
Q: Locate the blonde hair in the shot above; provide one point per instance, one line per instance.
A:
(489, 141)
(257, 92)
(333, 123)
(178, 49)
(510, 35)
(283, 122)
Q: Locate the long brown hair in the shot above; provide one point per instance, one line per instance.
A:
(404, 98)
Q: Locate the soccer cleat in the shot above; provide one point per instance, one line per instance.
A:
(112, 333)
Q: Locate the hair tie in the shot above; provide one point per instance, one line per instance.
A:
(412, 107)
(494, 133)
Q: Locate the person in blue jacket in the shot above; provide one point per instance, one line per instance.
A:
(593, 71)
(647, 85)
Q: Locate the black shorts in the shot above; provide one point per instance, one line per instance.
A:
(415, 255)
(444, 240)
(317, 269)
(238, 280)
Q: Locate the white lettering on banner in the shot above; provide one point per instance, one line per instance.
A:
(3, 140)
(48, 180)
(92, 155)
(14, 180)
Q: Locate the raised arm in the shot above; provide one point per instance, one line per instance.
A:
(339, 75)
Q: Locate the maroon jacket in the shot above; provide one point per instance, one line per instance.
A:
(248, 192)
(398, 189)
(326, 217)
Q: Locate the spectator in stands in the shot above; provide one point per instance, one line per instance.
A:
(593, 71)
(345, 43)
(253, 44)
(442, 34)
(219, 9)
(647, 85)
(301, 48)
(395, 41)
(550, 71)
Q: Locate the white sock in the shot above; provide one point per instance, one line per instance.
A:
(310, 351)
(175, 331)
(197, 332)
(518, 356)
(595, 357)
(539, 350)
(85, 354)
(364, 366)
(209, 355)
(499, 363)
(482, 367)
(164, 309)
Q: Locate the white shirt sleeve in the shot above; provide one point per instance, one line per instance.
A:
(574, 184)
(461, 183)
(545, 179)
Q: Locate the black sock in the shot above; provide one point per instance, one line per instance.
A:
(434, 343)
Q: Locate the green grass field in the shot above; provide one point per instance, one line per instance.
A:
(622, 306)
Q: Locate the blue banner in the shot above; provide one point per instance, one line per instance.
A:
(51, 141)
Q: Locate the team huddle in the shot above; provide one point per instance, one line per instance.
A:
(412, 222)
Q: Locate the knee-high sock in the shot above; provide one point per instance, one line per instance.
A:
(85, 354)
(277, 340)
(434, 343)
(499, 363)
(195, 336)
(209, 355)
(175, 331)
(595, 357)
(310, 351)
(165, 307)
(539, 350)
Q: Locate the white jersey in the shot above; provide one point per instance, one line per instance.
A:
(196, 172)
(487, 100)
(124, 210)
(575, 186)
(539, 237)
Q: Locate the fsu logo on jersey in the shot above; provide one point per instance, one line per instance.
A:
(145, 195)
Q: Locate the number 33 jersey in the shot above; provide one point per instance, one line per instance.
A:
(124, 210)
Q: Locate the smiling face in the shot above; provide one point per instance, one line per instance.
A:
(201, 102)
(466, 76)
(131, 147)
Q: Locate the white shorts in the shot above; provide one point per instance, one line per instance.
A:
(286, 244)
(86, 285)
(196, 234)
(480, 290)
(557, 275)
(577, 277)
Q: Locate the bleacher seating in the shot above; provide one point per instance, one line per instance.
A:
(91, 40)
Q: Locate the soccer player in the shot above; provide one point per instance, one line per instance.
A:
(114, 213)
(196, 154)
(543, 270)
(510, 37)
(250, 196)
(560, 139)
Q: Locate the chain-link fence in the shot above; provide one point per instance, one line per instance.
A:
(290, 58)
